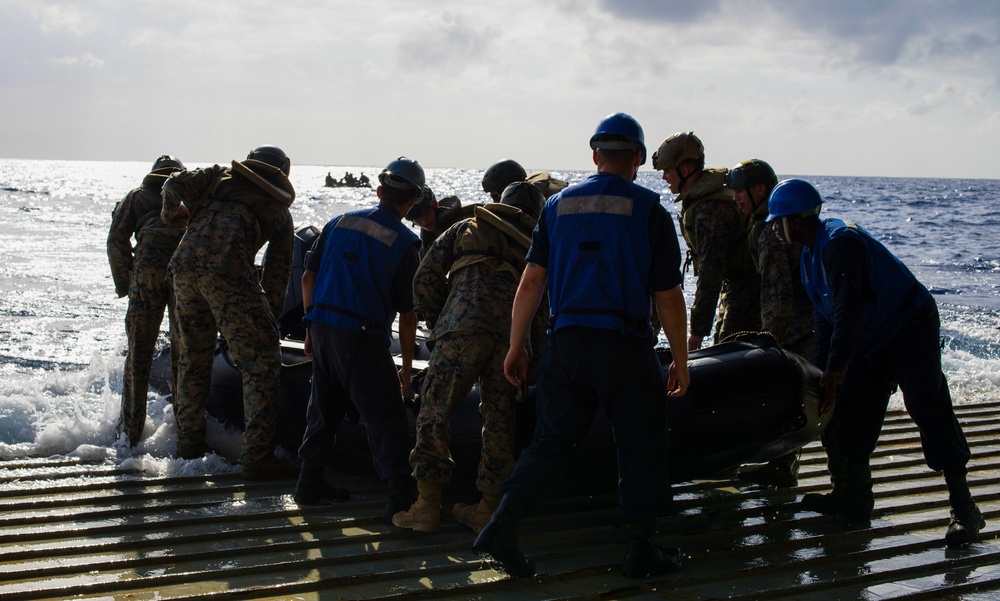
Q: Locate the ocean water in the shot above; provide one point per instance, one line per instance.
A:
(62, 334)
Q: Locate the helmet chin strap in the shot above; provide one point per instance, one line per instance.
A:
(684, 178)
(783, 233)
(753, 203)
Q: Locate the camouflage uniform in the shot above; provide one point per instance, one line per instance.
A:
(787, 314)
(465, 289)
(218, 289)
(715, 233)
(140, 273)
(785, 309)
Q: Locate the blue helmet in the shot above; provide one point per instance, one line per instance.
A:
(403, 173)
(619, 131)
(793, 197)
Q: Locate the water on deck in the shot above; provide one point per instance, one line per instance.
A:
(75, 531)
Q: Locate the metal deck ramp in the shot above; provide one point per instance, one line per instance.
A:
(69, 530)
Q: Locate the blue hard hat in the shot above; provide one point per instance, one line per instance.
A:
(402, 173)
(619, 131)
(793, 197)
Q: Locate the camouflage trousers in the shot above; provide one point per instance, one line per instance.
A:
(739, 307)
(208, 303)
(460, 359)
(149, 294)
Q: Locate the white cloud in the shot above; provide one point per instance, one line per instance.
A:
(84, 60)
(62, 18)
(464, 82)
(941, 96)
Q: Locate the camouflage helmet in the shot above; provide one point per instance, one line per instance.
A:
(167, 164)
(502, 174)
(750, 173)
(525, 196)
(270, 155)
(678, 148)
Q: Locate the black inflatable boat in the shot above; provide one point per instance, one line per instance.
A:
(749, 402)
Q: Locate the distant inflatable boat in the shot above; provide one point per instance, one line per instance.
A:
(749, 402)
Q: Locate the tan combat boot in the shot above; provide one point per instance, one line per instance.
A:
(425, 514)
(475, 516)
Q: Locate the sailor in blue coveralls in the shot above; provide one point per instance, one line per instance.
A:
(358, 276)
(876, 327)
(601, 246)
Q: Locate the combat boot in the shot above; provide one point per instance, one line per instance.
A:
(643, 558)
(497, 542)
(852, 495)
(782, 472)
(402, 494)
(313, 489)
(474, 516)
(425, 514)
(966, 519)
(268, 468)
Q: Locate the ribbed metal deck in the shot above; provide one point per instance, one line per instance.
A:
(75, 531)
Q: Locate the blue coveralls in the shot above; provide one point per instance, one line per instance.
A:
(605, 243)
(365, 261)
(874, 319)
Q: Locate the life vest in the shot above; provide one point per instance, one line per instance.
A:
(361, 253)
(710, 187)
(148, 203)
(600, 255)
(892, 294)
(261, 199)
(499, 236)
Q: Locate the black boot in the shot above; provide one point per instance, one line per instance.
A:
(402, 494)
(643, 558)
(313, 489)
(497, 542)
(852, 495)
(966, 519)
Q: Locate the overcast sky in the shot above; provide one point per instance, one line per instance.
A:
(816, 87)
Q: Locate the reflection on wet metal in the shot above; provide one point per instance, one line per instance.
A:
(70, 530)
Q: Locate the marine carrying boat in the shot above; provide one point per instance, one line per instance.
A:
(749, 402)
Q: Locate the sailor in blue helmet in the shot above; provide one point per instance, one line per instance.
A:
(876, 327)
(358, 276)
(601, 247)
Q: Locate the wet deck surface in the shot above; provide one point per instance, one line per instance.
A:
(70, 530)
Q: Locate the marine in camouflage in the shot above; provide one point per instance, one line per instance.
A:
(466, 296)
(217, 289)
(139, 272)
(715, 233)
(785, 309)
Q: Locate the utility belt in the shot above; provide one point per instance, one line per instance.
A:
(157, 239)
(366, 324)
(632, 326)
